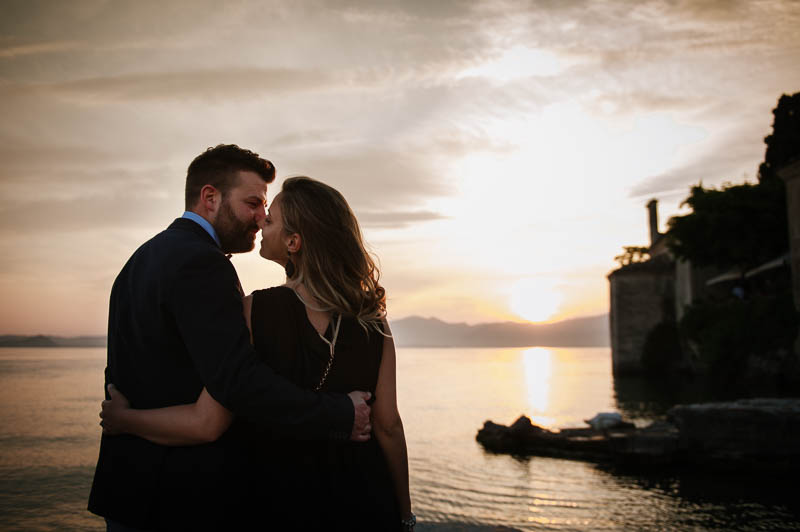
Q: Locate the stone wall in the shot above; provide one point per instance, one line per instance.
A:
(641, 294)
(791, 175)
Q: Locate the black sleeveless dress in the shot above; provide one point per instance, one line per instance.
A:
(320, 483)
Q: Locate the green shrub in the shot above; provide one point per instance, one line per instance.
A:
(662, 348)
(728, 332)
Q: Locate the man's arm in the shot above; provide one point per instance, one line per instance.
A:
(207, 306)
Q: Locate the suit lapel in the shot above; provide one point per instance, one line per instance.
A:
(185, 224)
(238, 284)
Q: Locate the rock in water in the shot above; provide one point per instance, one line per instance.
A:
(748, 435)
(605, 420)
(757, 433)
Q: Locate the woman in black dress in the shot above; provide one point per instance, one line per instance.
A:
(325, 329)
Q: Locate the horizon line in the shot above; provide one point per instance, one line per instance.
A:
(522, 322)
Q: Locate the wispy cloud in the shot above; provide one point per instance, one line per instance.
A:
(41, 48)
(731, 161)
(372, 177)
(204, 85)
(134, 207)
(396, 219)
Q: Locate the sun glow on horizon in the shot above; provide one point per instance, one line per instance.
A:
(535, 300)
(538, 201)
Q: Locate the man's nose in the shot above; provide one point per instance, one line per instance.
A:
(260, 214)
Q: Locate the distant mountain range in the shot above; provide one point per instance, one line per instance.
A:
(592, 331)
(40, 340)
(415, 331)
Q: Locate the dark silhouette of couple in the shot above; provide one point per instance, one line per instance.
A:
(274, 411)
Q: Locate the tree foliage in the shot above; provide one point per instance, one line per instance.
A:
(783, 145)
(727, 332)
(742, 226)
(632, 254)
(737, 226)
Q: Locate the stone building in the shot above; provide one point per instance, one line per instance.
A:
(640, 300)
(642, 296)
(791, 176)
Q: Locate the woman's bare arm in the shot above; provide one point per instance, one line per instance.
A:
(388, 426)
(203, 421)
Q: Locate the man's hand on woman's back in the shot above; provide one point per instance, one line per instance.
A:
(362, 427)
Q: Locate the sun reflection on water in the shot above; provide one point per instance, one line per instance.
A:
(538, 368)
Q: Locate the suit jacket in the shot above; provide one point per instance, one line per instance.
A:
(175, 325)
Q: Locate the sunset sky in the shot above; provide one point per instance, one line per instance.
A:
(498, 154)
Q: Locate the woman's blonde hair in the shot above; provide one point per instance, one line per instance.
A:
(332, 262)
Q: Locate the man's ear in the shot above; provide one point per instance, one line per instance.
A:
(210, 199)
(294, 243)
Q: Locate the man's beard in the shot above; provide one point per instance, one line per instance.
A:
(235, 236)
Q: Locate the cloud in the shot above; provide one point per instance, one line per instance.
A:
(372, 178)
(120, 210)
(204, 85)
(41, 48)
(427, 84)
(387, 187)
(632, 101)
(458, 143)
(92, 187)
(395, 219)
(73, 173)
(99, 21)
(51, 188)
(308, 137)
(123, 38)
(23, 159)
(732, 161)
(717, 10)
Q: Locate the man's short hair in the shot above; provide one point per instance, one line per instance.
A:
(219, 166)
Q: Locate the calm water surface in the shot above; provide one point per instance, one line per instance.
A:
(49, 438)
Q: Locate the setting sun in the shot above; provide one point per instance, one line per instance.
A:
(535, 300)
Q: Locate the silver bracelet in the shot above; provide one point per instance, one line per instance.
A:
(408, 524)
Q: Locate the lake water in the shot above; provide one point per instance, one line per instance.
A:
(49, 438)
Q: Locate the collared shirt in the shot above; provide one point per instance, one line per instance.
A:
(204, 224)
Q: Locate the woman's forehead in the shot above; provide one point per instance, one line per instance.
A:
(274, 205)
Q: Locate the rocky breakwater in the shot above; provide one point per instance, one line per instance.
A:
(749, 434)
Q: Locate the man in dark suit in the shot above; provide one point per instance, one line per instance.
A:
(175, 326)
